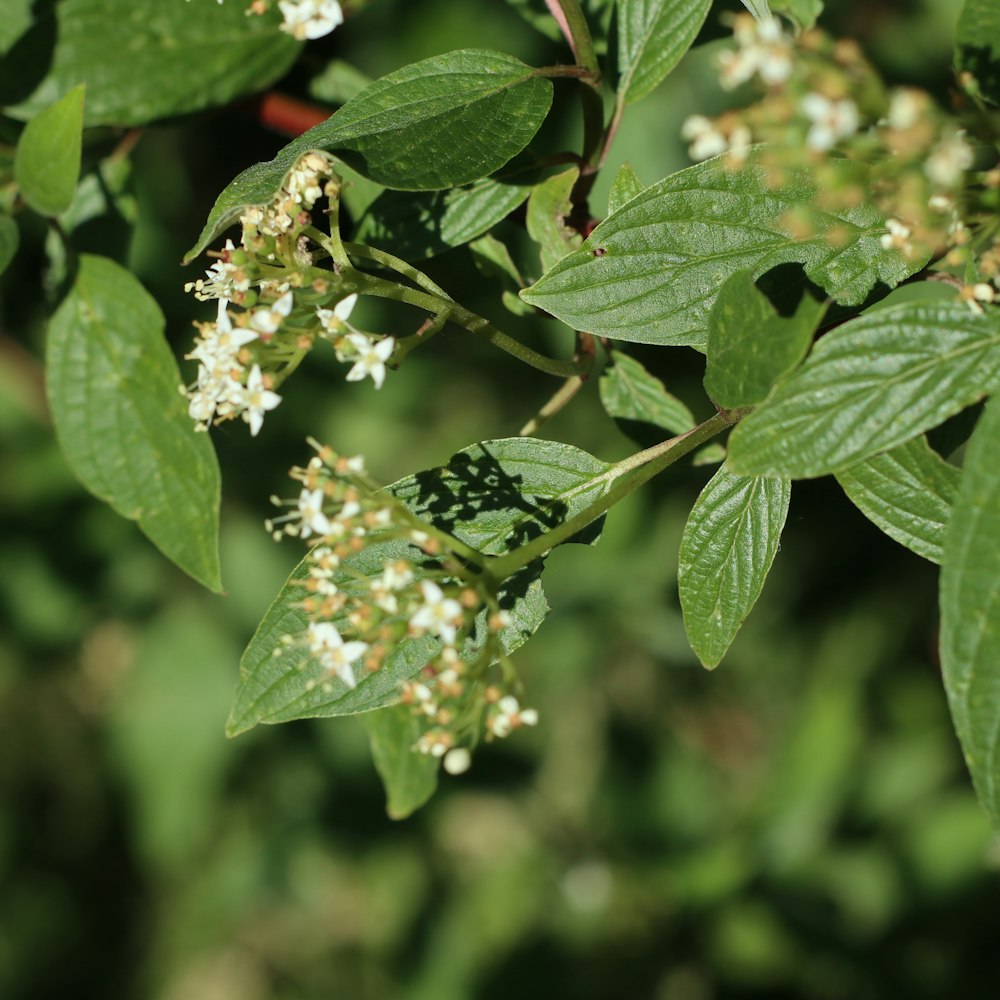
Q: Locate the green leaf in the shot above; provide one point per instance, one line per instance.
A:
(868, 386)
(410, 778)
(415, 227)
(970, 610)
(650, 272)
(145, 59)
(492, 259)
(750, 346)
(47, 163)
(9, 241)
(908, 492)
(123, 425)
(652, 37)
(624, 187)
(629, 392)
(338, 83)
(729, 542)
(440, 123)
(17, 19)
(493, 496)
(803, 12)
(470, 212)
(977, 45)
(548, 207)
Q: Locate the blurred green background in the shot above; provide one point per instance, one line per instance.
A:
(797, 824)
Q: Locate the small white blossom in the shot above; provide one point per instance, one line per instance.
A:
(510, 715)
(335, 320)
(257, 400)
(309, 19)
(905, 108)
(370, 358)
(314, 521)
(897, 237)
(268, 319)
(395, 577)
(223, 280)
(706, 140)
(949, 160)
(333, 653)
(763, 49)
(831, 120)
(457, 760)
(438, 614)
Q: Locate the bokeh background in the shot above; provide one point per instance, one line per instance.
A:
(796, 824)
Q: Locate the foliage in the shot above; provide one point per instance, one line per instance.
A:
(707, 257)
(832, 259)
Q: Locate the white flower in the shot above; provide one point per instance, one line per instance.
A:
(333, 653)
(220, 342)
(395, 576)
(905, 108)
(268, 319)
(706, 140)
(314, 521)
(310, 18)
(949, 160)
(457, 760)
(438, 613)
(831, 120)
(762, 49)
(371, 358)
(257, 400)
(897, 237)
(510, 716)
(335, 320)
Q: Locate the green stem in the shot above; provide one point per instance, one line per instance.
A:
(621, 479)
(370, 284)
(398, 265)
(569, 15)
(333, 245)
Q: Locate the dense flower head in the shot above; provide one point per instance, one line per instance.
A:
(273, 306)
(377, 576)
(821, 105)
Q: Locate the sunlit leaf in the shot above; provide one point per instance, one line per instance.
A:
(652, 37)
(548, 207)
(650, 272)
(624, 187)
(143, 59)
(417, 226)
(440, 123)
(730, 540)
(122, 423)
(750, 346)
(908, 492)
(629, 392)
(970, 610)
(868, 386)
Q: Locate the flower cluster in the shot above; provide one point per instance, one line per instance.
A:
(823, 108)
(303, 19)
(274, 305)
(377, 576)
